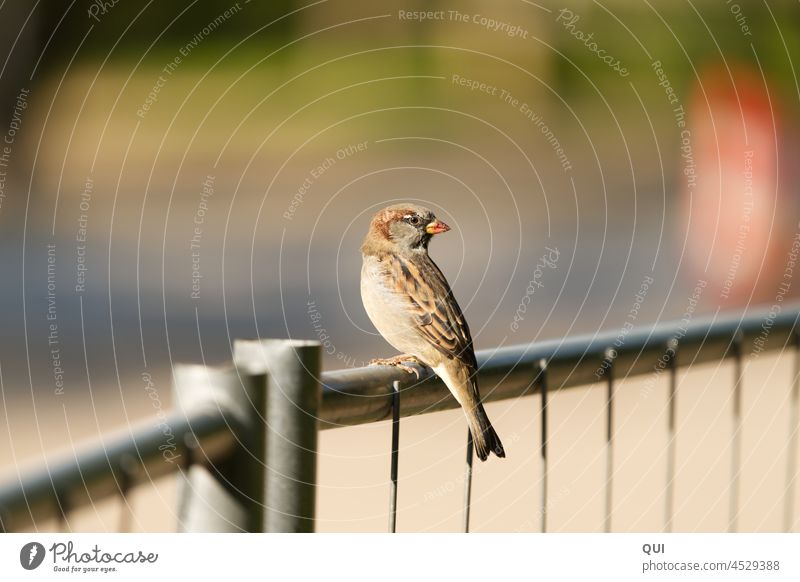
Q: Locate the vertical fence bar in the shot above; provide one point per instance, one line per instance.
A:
(227, 496)
(395, 456)
(467, 483)
(187, 461)
(736, 437)
(794, 427)
(62, 509)
(669, 489)
(293, 401)
(609, 357)
(127, 470)
(543, 441)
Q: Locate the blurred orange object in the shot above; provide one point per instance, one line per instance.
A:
(736, 220)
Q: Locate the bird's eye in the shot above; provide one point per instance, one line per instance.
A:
(413, 220)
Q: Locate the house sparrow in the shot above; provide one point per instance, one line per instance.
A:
(410, 303)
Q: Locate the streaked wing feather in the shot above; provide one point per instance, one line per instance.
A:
(440, 320)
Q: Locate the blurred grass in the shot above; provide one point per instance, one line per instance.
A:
(241, 63)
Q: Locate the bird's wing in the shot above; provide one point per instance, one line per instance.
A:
(438, 317)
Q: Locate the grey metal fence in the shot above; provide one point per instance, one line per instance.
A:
(248, 433)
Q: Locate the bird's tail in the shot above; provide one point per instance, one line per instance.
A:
(484, 437)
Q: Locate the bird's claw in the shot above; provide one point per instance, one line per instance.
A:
(397, 362)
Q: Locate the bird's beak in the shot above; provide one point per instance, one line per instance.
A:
(436, 227)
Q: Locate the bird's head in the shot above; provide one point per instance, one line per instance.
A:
(406, 226)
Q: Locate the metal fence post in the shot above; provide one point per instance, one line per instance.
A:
(226, 495)
(293, 401)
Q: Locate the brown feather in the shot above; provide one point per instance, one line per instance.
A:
(440, 321)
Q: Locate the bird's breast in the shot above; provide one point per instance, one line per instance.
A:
(388, 309)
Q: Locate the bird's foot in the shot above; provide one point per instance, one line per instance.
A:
(399, 362)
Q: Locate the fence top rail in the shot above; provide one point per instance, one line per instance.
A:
(361, 395)
(113, 466)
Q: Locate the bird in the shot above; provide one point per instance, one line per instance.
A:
(410, 303)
